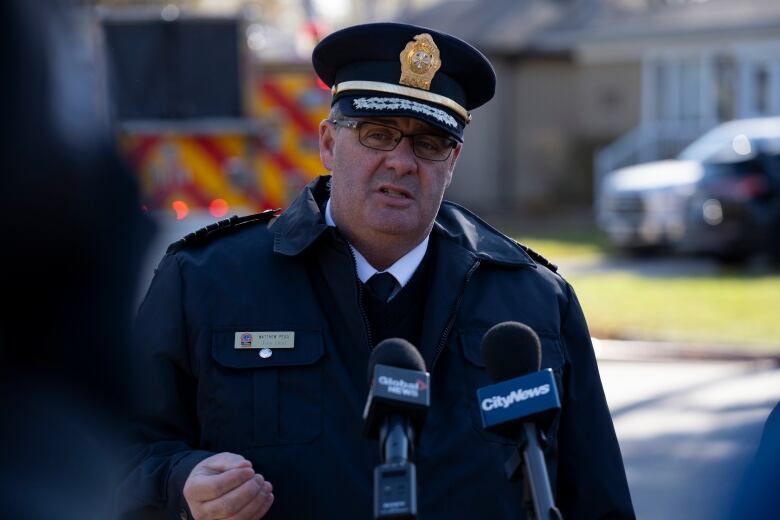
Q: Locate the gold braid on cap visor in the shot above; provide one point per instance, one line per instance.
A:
(389, 88)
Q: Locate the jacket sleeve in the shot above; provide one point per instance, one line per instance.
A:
(591, 481)
(164, 430)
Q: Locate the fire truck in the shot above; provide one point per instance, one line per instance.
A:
(215, 113)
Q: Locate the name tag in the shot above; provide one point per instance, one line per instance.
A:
(263, 340)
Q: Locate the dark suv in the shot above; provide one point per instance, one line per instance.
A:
(721, 196)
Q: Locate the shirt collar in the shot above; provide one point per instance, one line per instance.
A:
(402, 269)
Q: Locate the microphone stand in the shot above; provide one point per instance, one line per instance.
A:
(528, 457)
(395, 480)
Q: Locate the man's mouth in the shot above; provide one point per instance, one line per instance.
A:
(394, 193)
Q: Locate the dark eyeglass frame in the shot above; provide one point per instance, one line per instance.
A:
(355, 124)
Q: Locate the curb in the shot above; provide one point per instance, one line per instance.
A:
(618, 350)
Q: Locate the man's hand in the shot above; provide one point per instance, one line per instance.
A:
(224, 486)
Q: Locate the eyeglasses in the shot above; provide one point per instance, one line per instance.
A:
(382, 137)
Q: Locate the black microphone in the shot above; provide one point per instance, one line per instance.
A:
(395, 411)
(522, 396)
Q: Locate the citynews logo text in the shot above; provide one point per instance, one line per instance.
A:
(505, 401)
(401, 387)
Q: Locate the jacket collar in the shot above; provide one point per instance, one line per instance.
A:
(303, 222)
(463, 227)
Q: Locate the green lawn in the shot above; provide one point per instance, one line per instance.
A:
(729, 308)
(732, 309)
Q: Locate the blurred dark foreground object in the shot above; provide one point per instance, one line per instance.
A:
(73, 241)
(757, 496)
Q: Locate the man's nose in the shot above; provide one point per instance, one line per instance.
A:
(402, 158)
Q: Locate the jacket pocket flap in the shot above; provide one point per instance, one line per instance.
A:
(471, 342)
(307, 348)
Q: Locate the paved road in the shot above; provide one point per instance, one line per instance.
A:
(687, 430)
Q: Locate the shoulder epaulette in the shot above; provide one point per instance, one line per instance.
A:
(539, 259)
(205, 234)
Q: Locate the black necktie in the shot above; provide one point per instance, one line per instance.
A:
(382, 285)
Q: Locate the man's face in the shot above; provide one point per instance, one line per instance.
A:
(379, 195)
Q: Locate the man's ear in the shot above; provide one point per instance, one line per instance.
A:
(327, 144)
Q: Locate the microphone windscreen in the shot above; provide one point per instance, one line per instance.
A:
(395, 352)
(511, 349)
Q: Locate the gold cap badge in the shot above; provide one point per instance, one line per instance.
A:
(419, 62)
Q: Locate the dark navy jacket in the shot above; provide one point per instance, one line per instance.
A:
(297, 415)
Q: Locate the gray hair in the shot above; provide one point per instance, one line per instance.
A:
(335, 112)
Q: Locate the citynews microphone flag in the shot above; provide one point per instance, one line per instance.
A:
(529, 397)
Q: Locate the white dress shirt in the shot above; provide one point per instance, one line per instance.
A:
(402, 270)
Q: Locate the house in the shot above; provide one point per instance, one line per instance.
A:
(589, 85)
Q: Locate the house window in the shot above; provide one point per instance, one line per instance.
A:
(761, 89)
(690, 89)
(660, 74)
(725, 82)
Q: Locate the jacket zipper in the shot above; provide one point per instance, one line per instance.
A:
(364, 315)
(360, 300)
(451, 321)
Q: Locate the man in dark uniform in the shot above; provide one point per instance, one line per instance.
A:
(258, 331)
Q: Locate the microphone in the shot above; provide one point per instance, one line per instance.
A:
(395, 411)
(522, 396)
